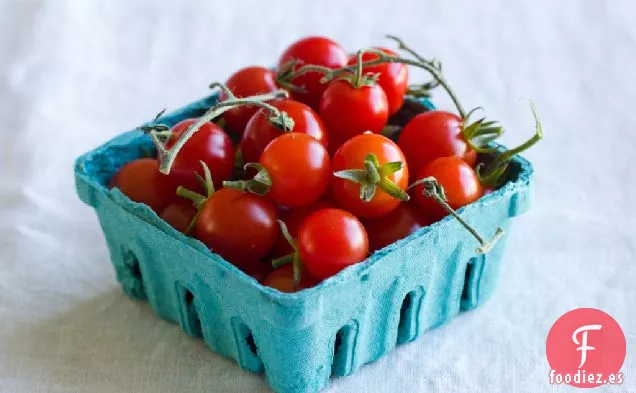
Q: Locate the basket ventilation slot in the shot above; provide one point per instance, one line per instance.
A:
(344, 349)
(190, 321)
(408, 327)
(247, 347)
(131, 276)
(472, 280)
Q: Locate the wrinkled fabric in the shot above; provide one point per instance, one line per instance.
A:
(74, 74)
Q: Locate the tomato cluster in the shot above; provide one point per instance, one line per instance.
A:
(321, 187)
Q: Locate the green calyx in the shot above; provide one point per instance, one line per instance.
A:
(368, 79)
(198, 200)
(293, 257)
(375, 176)
(359, 79)
(282, 121)
(259, 185)
(493, 173)
(480, 133)
(432, 189)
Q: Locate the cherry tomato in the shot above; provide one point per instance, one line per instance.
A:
(432, 135)
(459, 181)
(179, 214)
(351, 155)
(398, 224)
(298, 166)
(349, 111)
(282, 279)
(293, 219)
(260, 131)
(394, 78)
(209, 144)
(239, 226)
(141, 181)
(318, 51)
(329, 240)
(247, 82)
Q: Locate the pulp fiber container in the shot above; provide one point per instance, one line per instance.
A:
(298, 340)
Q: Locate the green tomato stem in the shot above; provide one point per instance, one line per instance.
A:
(193, 223)
(282, 261)
(358, 75)
(198, 200)
(167, 156)
(432, 189)
(298, 268)
(226, 90)
(494, 173)
(384, 58)
(293, 257)
(431, 66)
(287, 235)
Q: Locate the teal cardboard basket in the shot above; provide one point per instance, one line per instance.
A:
(298, 340)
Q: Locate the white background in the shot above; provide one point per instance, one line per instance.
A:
(75, 73)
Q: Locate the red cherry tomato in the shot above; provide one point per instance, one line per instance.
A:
(141, 181)
(179, 214)
(239, 226)
(260, 131)
(394, 78)
(209, 144)
(432, 135)
(298, 166)
(247, 82)
(351, 155)
(349, 111)
(398, 224)
(329, 240)
(459, 181)
(282, 279)
(318, 51)
(293, 219)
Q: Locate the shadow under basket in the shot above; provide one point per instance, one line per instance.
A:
(298, 340)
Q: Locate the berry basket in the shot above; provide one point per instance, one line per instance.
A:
(298, 340)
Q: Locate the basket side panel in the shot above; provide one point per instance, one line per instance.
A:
(133, 240)
(379, 321)
(296, 361)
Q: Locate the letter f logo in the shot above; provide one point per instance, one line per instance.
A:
(583, 344)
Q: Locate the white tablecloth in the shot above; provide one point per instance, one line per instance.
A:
(75, 73)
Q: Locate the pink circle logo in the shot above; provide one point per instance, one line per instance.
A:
(586, 349)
